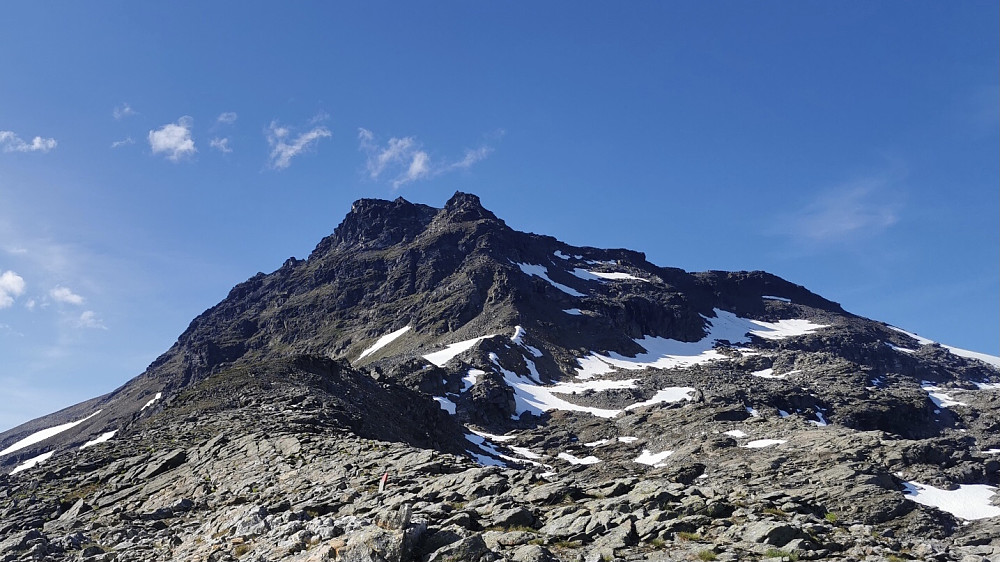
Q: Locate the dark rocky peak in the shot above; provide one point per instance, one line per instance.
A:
(375, 224)
(466, 207)
(746, 291)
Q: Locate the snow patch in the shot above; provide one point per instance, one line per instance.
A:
(526, 452)
(591, 275)
(560, 255)
(627, 439)
(991, 360)
(671, 394)
(541, 271)
(735, 433)
(383, 341)
(920, 339)
(761, 443)
(900, 349)
(446, 405)
(532, 397)
(597, 443)
(753, 412)
(969, 501)
(484, 459)
(518, 338)
(151, 401)
(493, 437)
(44, 434)
(940, 398)
(470, 378)
(32, 462)
(653, 459)
(987, 385)
(574, 311)
(663, 353)
(774, 298)
(769, 374)
(596, 385)
(104, 437)
(441, 357)
(577, 460)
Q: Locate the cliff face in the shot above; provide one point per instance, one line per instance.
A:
(621, 409)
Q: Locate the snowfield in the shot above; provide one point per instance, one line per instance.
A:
(663, 353)
(969, 501)
(991, 360)
(32, 462)
(439, 358)
(44, 434)
(541, 271)
(103, 438)
(653, 459)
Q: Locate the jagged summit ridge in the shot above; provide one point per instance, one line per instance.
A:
(374, 224)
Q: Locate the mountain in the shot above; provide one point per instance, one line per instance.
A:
(431, 384)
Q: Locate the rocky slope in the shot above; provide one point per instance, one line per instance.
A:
(523, 400)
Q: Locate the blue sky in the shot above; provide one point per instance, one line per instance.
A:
(154, 155)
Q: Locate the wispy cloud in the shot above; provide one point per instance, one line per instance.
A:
(220, 144)
(124, 142)
(10, 142)
(284, 147)
(227, 118)
(11, 285)
(65, 295)
(405, 160)
(471, 157)
(173, 139)
(850, 211)
(395, 152)
(89, 319)
(122, 111)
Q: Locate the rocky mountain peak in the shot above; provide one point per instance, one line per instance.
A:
(433, 385)
(464, 207)
(377, 223)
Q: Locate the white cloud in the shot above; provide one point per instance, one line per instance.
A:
(419, 168)
(220, 144)
(13, 143)
(65, 295)
(11, 285)
(319, 118)
(89, 319)
(397, 151)
(123, 142)
(472, 156)
(173, 139)
(284, 148)
(406, 161)
(853, 210)
(227, 118)
(122, 111)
